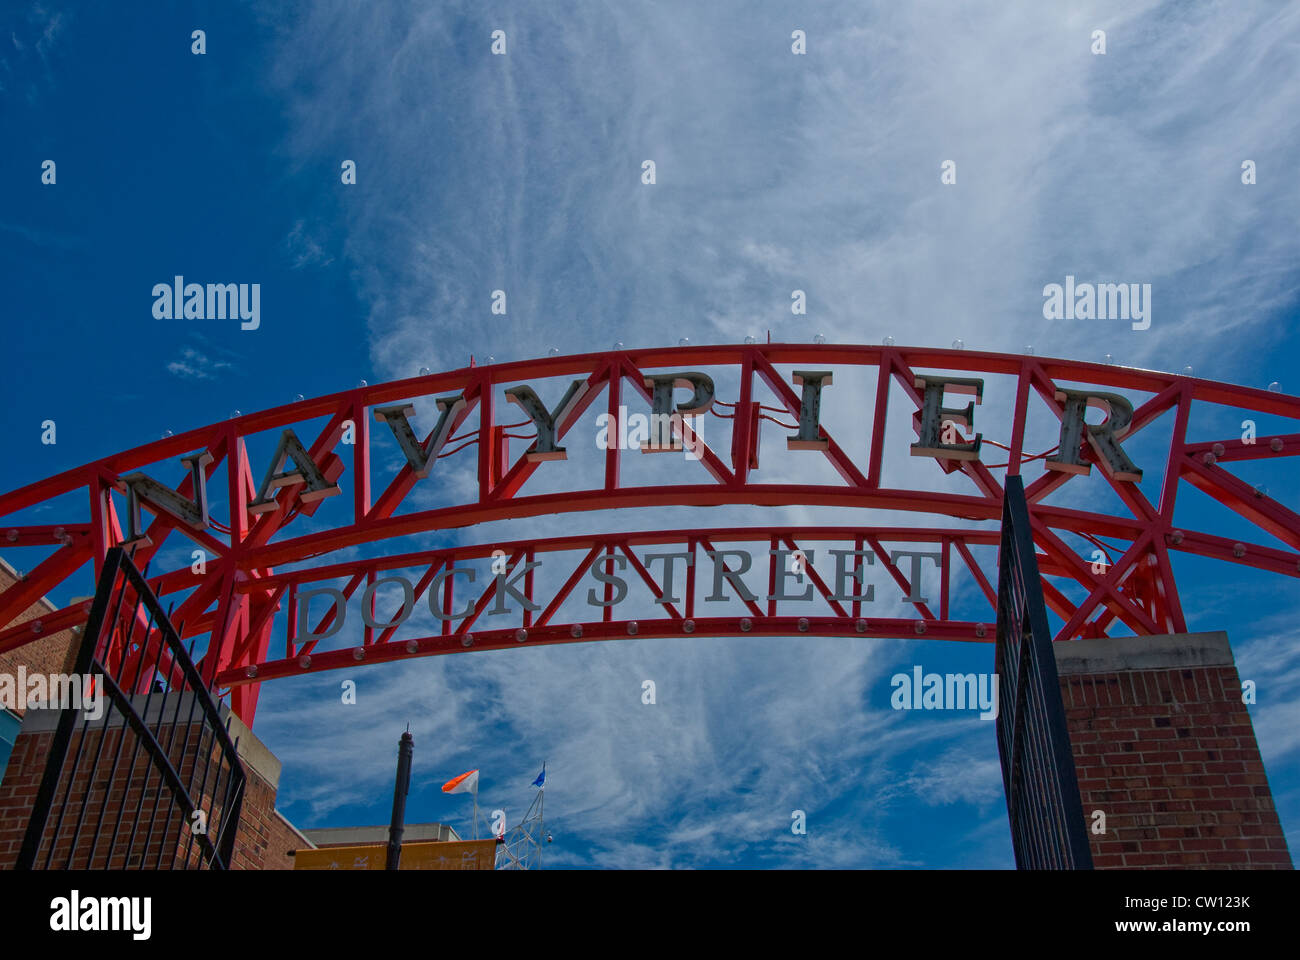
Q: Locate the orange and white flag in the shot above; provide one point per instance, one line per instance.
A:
(465, 783)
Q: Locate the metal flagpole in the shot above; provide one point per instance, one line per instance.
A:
(405, 747)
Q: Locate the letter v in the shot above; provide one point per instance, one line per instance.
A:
(418, 456)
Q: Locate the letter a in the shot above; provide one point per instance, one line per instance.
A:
(291, 448)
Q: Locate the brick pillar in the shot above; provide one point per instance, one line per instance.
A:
(52, 653)
(263, 838)
(1164, 747)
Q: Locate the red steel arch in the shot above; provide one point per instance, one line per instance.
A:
(236, 602)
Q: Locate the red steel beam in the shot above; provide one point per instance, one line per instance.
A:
(240, 573)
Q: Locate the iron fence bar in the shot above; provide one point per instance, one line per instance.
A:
(117, 754)
(148, 777)
(188, 670)
(130, 777)
(203, 792)
(171, 746)
(230, 812)
(161, 761)
(203, 785)
(106, 637)
(189, 782)
(1038, 774)
(207, 746)
(63, 734)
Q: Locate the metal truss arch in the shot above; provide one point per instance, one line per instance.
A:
(243, 597)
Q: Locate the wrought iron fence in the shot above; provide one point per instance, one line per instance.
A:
(1048, 829)
(175, 801)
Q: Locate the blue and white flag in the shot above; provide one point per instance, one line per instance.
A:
(541, 778)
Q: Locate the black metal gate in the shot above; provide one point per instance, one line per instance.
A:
(1048, 830)
(181, 809)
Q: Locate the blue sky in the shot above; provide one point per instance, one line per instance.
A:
(774, 172)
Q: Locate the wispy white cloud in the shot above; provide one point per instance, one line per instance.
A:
(818, 172)
(306, 247)
(194, 364)
(34, 28)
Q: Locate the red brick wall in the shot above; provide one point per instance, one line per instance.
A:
(1169, 755)
(18, 793)
(282, 840)
(56, 653)
(257, 828)
(131, 795)
(262, 841)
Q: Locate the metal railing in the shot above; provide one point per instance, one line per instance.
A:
(1048, 829)
(94, 809)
